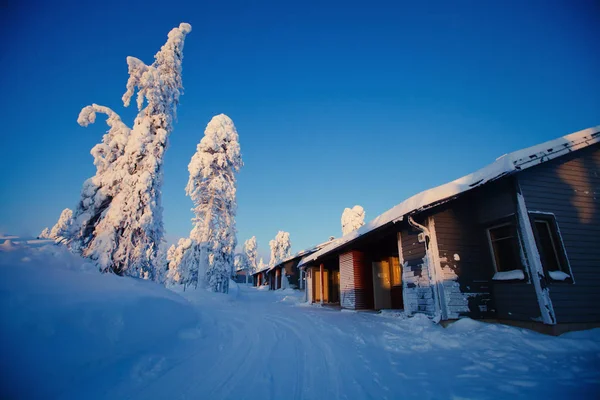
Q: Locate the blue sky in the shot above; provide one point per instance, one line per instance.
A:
(336, 104)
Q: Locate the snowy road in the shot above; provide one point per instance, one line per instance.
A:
(260, 347)
(68, 332)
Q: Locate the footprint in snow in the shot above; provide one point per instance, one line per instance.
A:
(147, 368)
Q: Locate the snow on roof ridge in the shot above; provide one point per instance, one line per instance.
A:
(304, 252)
(503, 165)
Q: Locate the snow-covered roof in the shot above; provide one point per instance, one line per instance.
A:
(266, 267)
(304, 253)
(504, 165)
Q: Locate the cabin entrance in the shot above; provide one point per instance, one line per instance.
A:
(329, 279)
(387, 284)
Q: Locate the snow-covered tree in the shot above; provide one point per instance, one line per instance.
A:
(280, 248)
(161, 265)
(251, 252)
(183, 260)
(261, 265)
(240, 262)
(99, 190)
(60, 231)
(45, 234)
(352, 219)
(212, 188)
(129, 229)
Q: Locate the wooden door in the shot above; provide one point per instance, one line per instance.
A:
(382, 285)
(317, 285)
(335, 286)
(316, 278)
(310, 285)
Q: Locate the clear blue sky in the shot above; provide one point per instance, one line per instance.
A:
(340, 104)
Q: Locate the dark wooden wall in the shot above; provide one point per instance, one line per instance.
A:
(461, 228)
(569, 187)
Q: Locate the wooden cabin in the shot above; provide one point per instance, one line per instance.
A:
(260, 278)
(240, 276)
(515, 242)
(286, 273)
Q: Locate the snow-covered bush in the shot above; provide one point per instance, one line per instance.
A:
(212, 187)
(352, 219)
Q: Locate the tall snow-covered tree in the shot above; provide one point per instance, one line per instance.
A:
(60, 231)
(212, 187)
(280, 248)
(352, 219)
(251, 251)
(128, 233)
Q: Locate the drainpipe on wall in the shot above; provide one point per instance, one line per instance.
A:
(431, 268)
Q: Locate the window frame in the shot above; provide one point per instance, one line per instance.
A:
(507, 221)
(558, 245)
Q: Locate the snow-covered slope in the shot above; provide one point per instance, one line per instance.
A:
(64, 326)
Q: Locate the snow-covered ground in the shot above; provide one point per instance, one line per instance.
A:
(69, 332)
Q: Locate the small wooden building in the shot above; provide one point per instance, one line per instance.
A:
(240, 276)
(517, 241)
(260, 278)
(286, 273)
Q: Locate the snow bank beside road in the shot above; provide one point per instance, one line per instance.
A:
(63, 325)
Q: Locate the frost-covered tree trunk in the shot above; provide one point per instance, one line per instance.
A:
(127, 236)
(352, 219)
(209, 258)
(60, 232)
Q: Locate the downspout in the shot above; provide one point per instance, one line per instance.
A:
(431, 267)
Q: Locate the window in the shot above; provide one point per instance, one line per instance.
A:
(550, 247)
(504, 245)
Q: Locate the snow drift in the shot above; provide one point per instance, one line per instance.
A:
(64, 325)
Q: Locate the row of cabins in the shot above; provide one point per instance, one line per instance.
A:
(286, 273)
(516, 242)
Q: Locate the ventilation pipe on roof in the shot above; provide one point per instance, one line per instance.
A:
(431, 268)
